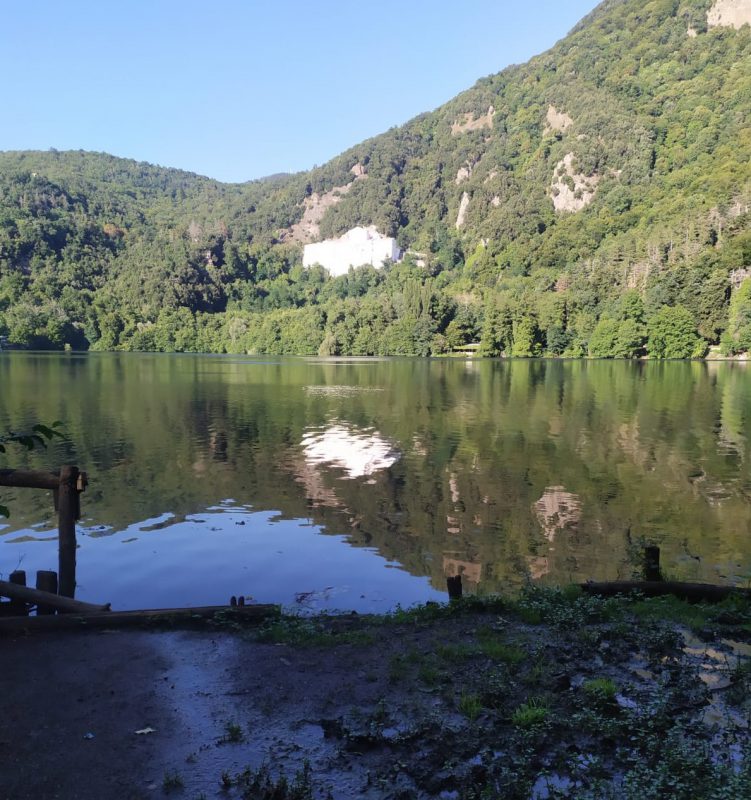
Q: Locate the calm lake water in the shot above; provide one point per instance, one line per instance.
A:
(360, 484)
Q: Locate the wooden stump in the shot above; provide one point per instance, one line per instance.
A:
(454, 585)
(652, 564)
(46, 582)
(68, 512)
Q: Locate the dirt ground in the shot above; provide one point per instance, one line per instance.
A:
(553, 697)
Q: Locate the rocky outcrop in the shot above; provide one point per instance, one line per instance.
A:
(468, 122)
(308, 229)
(557, 121)
(729, 14)
(571, 191)
(462, 215)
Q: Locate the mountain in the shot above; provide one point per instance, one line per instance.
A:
(592, 201)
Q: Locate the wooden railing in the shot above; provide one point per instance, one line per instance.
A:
(66, 487)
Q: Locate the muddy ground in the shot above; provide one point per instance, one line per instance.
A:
(553, 695)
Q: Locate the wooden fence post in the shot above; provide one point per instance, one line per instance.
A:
(454, 586)
(652, 564)
(46, 582)
(18, 607)
(68, 510)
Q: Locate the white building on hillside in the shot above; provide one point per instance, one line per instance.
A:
(356, 247)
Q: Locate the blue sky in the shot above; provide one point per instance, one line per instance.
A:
(237, 90)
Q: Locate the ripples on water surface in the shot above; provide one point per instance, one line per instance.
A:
(363, 483)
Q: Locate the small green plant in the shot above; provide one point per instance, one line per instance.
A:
(470, 706)
(531, 714)
(429, 674)
(455, 653)
(601, 690)
(172, 781)
(225, 781)
(259, 785)
(232, 732)
(397, 669)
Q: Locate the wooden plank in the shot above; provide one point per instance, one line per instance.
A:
(134, 619)
(695, 592)
(29, 595)
(29, 479)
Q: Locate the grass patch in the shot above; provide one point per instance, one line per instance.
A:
(601, 690)
(470, 706)
(429, 674)
(260, 785)
(310, 633)
(531, 714)
(495, 648)
(455, 653)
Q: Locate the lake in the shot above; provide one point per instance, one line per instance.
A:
(362, 483)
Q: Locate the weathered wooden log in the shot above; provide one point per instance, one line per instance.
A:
(694, 592)
(134, 619)
(17, 606)
(68, 509)
(29, 479)
(29, 595)
(46, 582)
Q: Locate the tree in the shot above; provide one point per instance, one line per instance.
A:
(672, 334)
(737, 338)
(37, 436)
(602, 342)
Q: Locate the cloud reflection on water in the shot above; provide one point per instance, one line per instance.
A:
(359, 453)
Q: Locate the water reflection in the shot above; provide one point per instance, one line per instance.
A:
(507, 471)
(359, 453)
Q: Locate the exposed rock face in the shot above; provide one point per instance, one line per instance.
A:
(308, 228)
(496, 201)
(557, 120)
(469, 123)
(692, 32)
(463, 174)
(556, 510)
(462, 215)
(729, 14)
(571, 191)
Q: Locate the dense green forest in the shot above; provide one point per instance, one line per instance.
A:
(594, 201)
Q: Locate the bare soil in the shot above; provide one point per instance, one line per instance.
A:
(554, 697)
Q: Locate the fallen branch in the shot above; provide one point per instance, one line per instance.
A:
(694, 592)
(56, 601)
(140, 618)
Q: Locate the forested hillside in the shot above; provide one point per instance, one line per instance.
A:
(594, 201)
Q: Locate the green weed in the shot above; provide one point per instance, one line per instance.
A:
(172, 781)
(531, 714)
(601, 690)
(493, 647)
